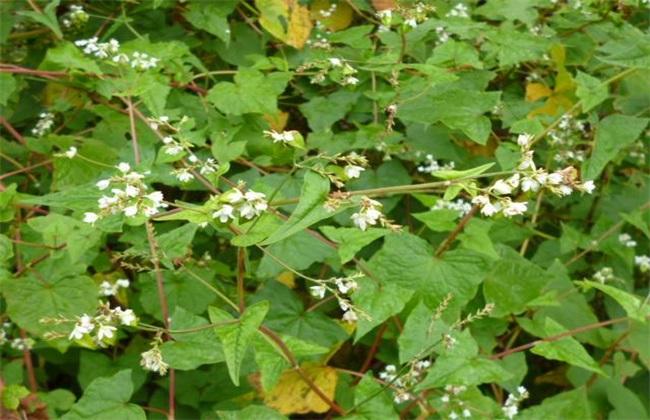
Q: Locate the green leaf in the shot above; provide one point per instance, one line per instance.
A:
(379, 302)
(107, 399)
(12, 394)
(7, 87)
(373, 401)
(455, 54)
(189, 350)
(252, 92)
(212, 17)
(323, 111)
(567, 349)
(571, 405)
(468, 173)
(182, 289)
(441, 220)
(47, 17)
(456, 108)
(613, 134)
(31, 298)
(252, 412)
(351, 240)
(309, 210)
(6, 248)
(476, 236)
(236, 338)
(450, 369)
(417, 334)
(67, 56)
(590, 90)
(633, 305)
(299, 251)
(176, 243)
(512, 283)
(407, 261)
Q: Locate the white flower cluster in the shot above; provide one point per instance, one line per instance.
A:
(459, 10)
(100, 329)
(412, 16)
(320, 34)
(431, 165)
(643, 262)
(232, 203)
(152, 360)
(511, 407)
(21, 344)
(626, 240)
(131, 198)
(111, 50)
(44, 124)
(339, 286)
(461, 206)
(369, 214)
(386, 18)
(284, 137)
(452, 401)
(529, 179)
(111, 289)
(337, 69)
(70, 153)
(77, 17)
(566, 137)
(327, 13)
(443, 35)
(402, 384)
(638, 150)
(354, 164)
(604, 275)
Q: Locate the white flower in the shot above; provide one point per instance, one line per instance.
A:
(124, 167)
(90, 217)
(524, 139)
(467, 413)
(132, 191)
(167, 139)
(193, 158)
(361, 220)
(234, 196)
(353, 171)
(502, 187)
(317, 291)
(184, 175)
(131, 211)
(555, 178)
(350, 316)
(529, 184)
(103, 184)
(335, 62)
(107, 289)
(527, 161)
(643, 262)
(156, 197)
(564, 190)
(350, 81)
(510, 411)
(346, 286)
(247, 211)
(445, 398)
(71, 152)
(514, 208)
(453, 415)
(82, 327)
(254, 196)
(105, 331)
(587, 187)
(126, 317)
(626, 240)
(152, 360)
(224, 213)
(283, 137)
(124, 283)
(173, 149)
(411, 22)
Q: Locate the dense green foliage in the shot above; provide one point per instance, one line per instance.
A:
(370, 209)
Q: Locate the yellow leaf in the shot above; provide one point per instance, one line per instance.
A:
(292, 395)
(339, 19)
(552, 106)
(286, 20)
(535, 91)
(287, 278)
(278, 121)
